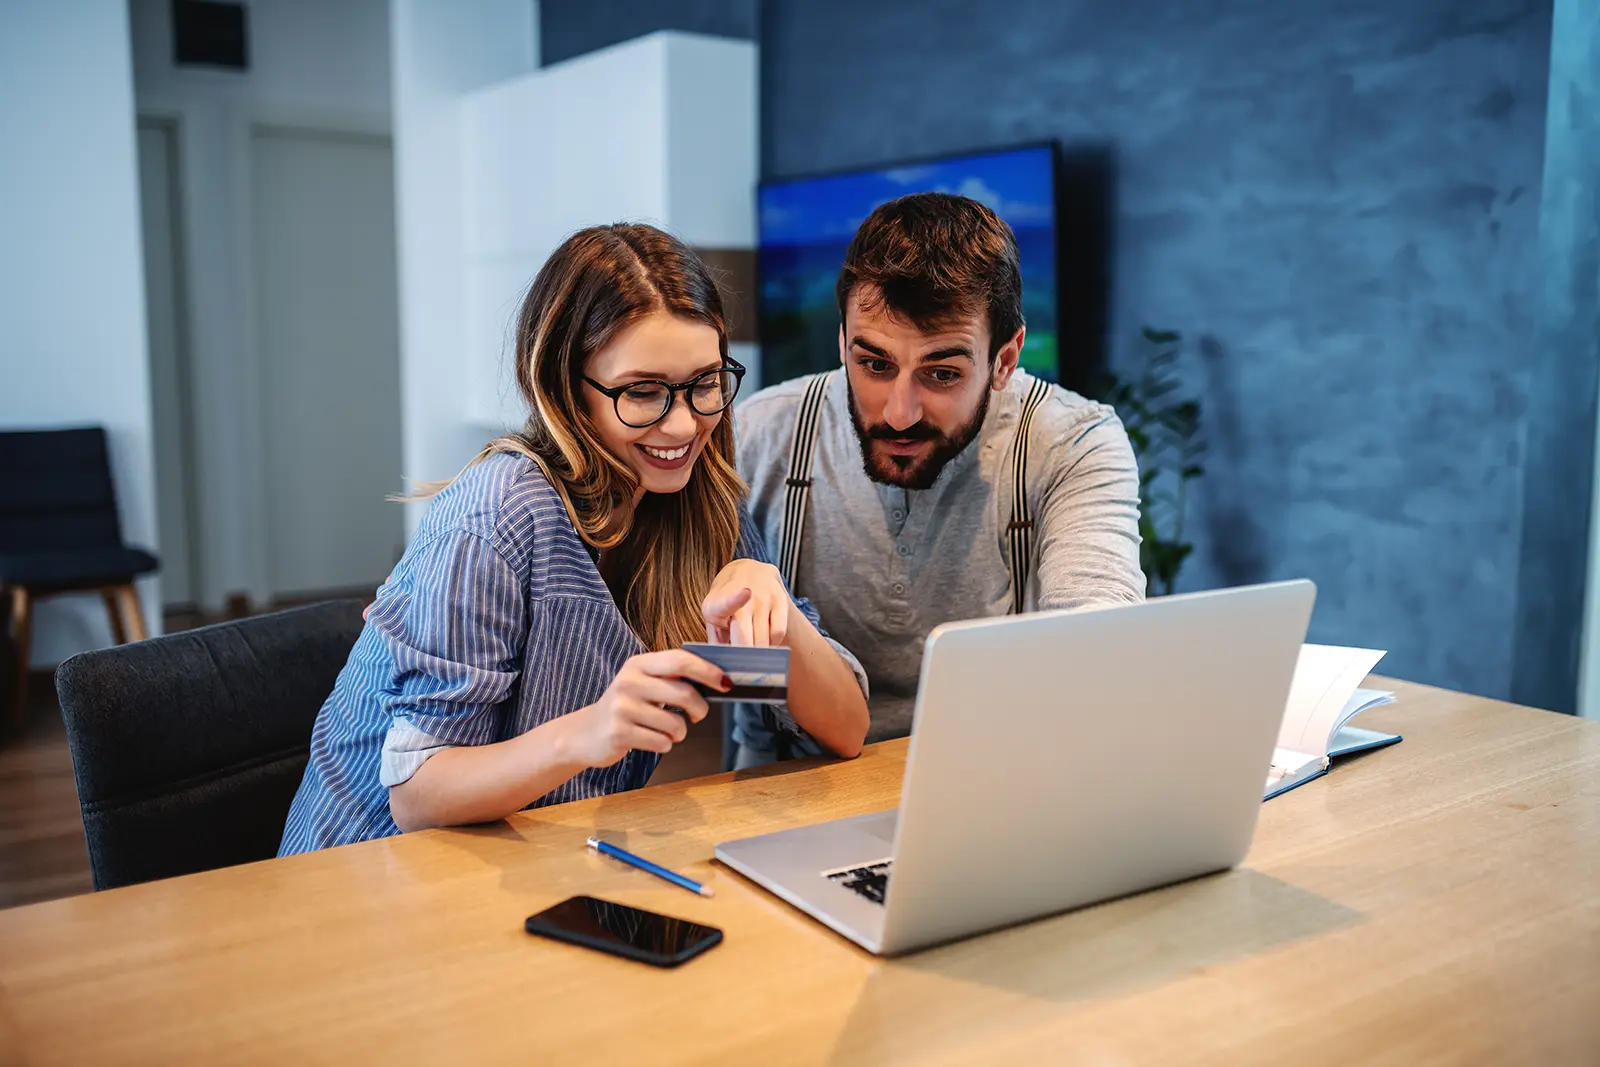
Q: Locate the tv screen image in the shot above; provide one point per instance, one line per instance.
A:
(807, 223)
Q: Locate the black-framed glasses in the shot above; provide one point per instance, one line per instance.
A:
(641, 404)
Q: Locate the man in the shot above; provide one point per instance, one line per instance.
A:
(888, 488)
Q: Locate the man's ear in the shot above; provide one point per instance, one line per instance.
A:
(1005, 361)
(841, 344)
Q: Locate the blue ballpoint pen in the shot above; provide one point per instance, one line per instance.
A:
(645, 865)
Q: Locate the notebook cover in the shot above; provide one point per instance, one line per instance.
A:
(1352, 739)
(1349, 740)
(1289, 783)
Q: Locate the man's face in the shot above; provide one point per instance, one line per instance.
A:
(917, 399)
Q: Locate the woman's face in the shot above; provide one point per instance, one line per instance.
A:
(660, 348)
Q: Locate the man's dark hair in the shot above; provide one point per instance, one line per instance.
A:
(937, 258)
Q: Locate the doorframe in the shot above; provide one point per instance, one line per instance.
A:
(215, 221)
(171, 123)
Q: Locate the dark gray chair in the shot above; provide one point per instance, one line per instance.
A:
(59, 533)
(189, 748)
(9, 667)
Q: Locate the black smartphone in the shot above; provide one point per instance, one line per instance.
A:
(633, 933)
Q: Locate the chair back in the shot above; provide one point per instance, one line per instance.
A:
(188, 748)
(56, 492)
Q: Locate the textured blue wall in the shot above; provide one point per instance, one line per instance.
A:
(1561, 422)
(1337, 200)
(569, 28)
(1340, 197)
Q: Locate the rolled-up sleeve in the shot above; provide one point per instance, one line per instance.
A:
(1089, 528)
(405, 750)
(455, 620)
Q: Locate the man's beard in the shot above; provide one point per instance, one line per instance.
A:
(913, 472)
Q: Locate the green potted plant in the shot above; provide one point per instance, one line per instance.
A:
(1164, 428)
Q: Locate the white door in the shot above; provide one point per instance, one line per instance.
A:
(169, 378)
(328, 342)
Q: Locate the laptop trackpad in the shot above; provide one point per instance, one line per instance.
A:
(881, 825)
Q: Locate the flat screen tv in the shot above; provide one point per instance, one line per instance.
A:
(806, 225)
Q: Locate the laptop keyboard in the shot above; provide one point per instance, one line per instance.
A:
(871, 881)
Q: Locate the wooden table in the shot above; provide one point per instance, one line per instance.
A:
(1435, 902)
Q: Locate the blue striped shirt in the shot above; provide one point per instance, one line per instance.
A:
(495, 621)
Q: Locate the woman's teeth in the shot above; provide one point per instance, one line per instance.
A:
(667, 453)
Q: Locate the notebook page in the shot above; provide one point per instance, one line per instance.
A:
(1290, 768)
(1287, 761)
(1360, 701)
(1325, 677)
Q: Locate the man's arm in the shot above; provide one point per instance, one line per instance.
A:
(1087, 524)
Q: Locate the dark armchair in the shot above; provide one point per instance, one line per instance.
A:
(188, 749)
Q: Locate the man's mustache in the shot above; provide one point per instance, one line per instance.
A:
(919, 431)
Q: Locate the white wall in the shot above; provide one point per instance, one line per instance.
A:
(497, 161)
(439, 52)
(576, 144)
(712, 139)
(319, 56)
(660, 129)
(71, 275)
(713, 144)
(318, 64)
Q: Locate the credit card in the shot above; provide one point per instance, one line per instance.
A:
(760, 675)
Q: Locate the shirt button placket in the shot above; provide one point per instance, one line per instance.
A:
(901, 614)
(900, 604)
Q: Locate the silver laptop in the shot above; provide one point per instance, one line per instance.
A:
(1056, 760)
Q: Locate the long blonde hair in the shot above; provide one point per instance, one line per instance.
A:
(664, 553)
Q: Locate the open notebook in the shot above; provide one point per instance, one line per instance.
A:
(1325, 695)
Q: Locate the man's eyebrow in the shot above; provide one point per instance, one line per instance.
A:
(861, 342)
(952, 352)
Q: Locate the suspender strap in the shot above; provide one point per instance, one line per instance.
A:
(797, 492)
(1019, 534)
(796, 495)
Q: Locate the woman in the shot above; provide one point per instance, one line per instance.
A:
(525, 651)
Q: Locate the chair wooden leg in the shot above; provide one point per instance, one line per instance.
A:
(21, 634)
(131, 612)
(119, 632)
